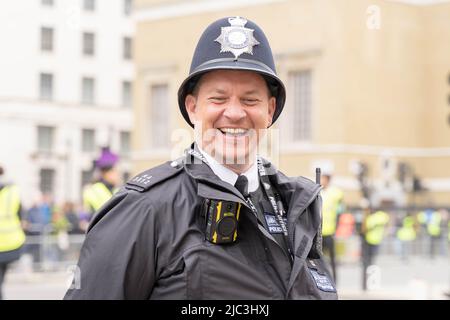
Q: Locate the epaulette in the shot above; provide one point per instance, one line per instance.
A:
(147, 179)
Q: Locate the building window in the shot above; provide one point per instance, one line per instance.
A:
(127, 7)
(125, 143)
(45, 137)
(126, 94)
(48, 3)
(88, 43)
(88, 90)
(46, 39)
(88, 140)
(47, 181)
(89, 5)
(127, 48)
(159, 116)
(301, 91)
(46, 86)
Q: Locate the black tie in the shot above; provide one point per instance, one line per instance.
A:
(242, 185)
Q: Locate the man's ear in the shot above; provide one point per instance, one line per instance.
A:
(190, 103)
(271, 110)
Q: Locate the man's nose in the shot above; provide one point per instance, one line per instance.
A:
(234, 110)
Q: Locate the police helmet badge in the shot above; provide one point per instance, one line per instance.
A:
(237, 39)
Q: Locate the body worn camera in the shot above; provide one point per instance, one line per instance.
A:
(222, 219)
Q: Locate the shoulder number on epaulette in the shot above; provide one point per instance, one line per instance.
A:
(142, 179)
(149, 178)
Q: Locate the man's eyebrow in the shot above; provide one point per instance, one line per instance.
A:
(251, 91)
(217, 90)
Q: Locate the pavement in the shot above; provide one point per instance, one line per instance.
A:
(392, 279)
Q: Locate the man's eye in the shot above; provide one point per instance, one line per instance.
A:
(217, 99)
(250, 101)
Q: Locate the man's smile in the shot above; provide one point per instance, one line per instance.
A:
(234, 132)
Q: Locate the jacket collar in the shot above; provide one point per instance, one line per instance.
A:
(297, 192)
(209, 184)
(227, 175)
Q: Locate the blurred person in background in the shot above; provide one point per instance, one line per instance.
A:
(431, 220)
(60, 233)
(73, 218)
(96, 194)
(333, 206)
(406, 234)
(12, 236)
(37, 224)
(373, 230)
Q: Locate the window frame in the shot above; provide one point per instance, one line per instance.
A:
(84, 99)
(88, 39)
(49, 95)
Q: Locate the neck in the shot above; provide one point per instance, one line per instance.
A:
(238, 168)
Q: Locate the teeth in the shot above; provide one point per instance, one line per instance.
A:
(233, 130)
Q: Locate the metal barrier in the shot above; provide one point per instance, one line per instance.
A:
(348, 249)
(56, 251)
(50, 250)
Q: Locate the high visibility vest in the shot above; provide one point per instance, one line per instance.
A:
(448, 231)
(422, 217)
(11, 234)
(331, 199)
(96, 195)
(407, 231)
(375, 225)
(432, 221)
(434, 225)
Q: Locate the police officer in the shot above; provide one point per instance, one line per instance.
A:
(406, 234)
(12, 236)
(220, 222)
(373, 231)
(95, 195)
(333, 206)
(431, 220)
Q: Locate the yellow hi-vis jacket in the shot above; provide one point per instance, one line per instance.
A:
(332, 205)
(407, 231)
(12, 236)
(96, 195)
(375, 225)
(433, 223)
(448, 231)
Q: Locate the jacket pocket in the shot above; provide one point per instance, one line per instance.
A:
(171, 283)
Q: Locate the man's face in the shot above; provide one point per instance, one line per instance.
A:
(230, 111)
(112, 176)
(325, 180)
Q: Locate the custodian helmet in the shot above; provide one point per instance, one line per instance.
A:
(234, 44)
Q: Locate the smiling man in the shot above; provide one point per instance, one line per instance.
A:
(231, 110)
(221, 222)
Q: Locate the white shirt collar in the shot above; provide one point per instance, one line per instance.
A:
(231, 177)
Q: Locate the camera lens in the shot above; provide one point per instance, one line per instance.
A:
(226, 226)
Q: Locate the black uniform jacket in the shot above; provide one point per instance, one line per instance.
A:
(148, 242)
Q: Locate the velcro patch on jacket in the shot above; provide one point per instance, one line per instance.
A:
(147, 179)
